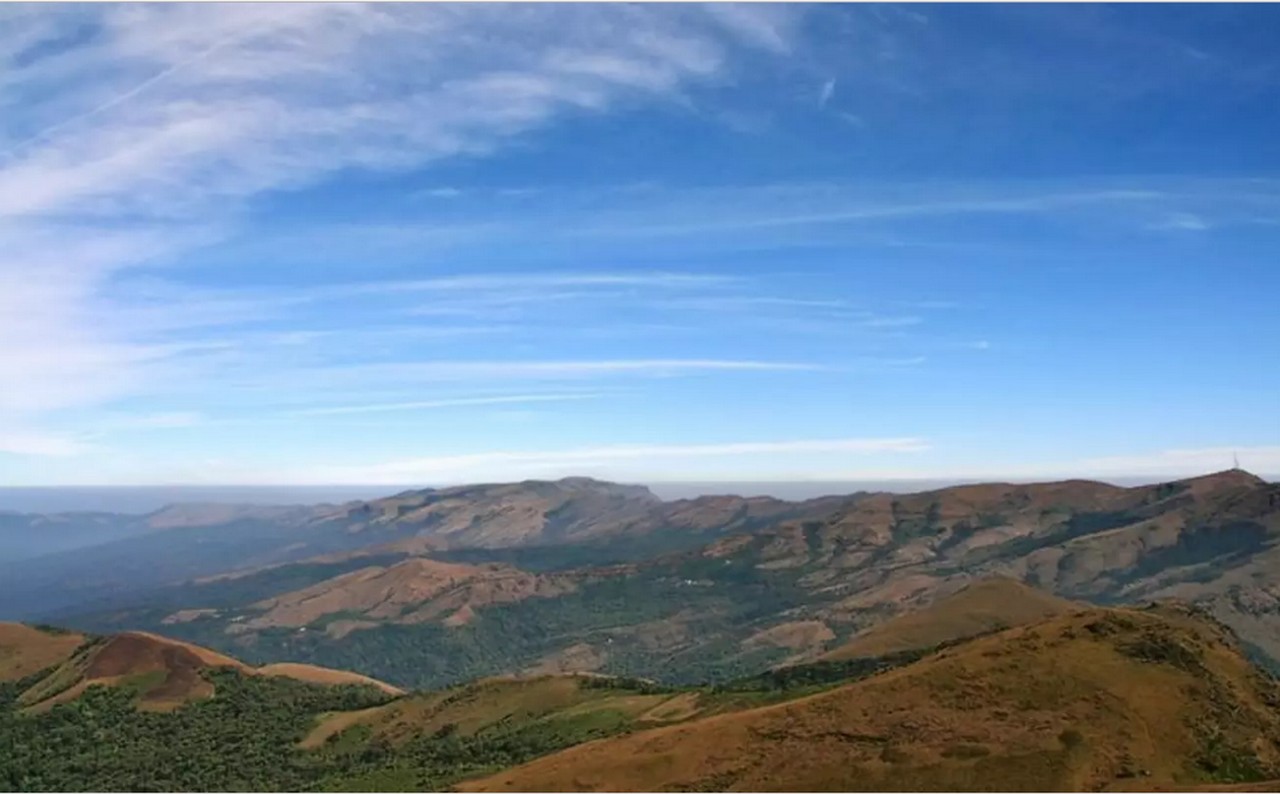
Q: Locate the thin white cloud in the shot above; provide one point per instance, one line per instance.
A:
(1183, 222)
(781, 216)
(825, 93)
(652, 457)
(168, 420)
(565, 369)
(441, 192)
(749, 303)
(501, 283)
(37, 444)
(461, 402)
(852, 119)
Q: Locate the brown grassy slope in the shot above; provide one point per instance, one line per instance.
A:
(26, 650)
(544, 704)
(468, 709)
(503, 514)
(165, 673)
(413, 591)
(986, 605)
(323, 675)
(1214, 539)
(1077, 702)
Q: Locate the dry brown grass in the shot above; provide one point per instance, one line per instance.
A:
(983, 606)
(417, 590)
(323, 675)
(25, 650)
(1070, 703)
(509, 702)
(171, 671)
(335, 723)
(168, 673)
(795, 635)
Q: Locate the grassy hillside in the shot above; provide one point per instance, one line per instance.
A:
(431, 740)
(978, 608)
(250, 731)
(159, 673)
(25, 650)
(1089, 700)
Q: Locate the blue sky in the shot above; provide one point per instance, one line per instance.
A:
(423, 244)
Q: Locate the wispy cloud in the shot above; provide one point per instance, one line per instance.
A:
(134, 133)
(37, 444)
(651, 457)
(567, 370)
(1182, 221)
(505, 282)
(168, 420)
(461, 402)
(184, 105)
(825, 93)
(878, 210)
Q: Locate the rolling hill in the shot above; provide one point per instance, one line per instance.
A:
(25, 650)
(978, 608)
(1085, 701)
(162, 674)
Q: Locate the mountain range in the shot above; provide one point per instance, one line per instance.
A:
(433, 587)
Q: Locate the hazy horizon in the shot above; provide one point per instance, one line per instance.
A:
(147, 498)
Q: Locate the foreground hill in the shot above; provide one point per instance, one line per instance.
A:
(47, 667)
(978, 608)
(1076, 702)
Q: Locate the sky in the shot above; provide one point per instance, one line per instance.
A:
(427, 244)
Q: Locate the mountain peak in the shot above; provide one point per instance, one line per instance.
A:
(1227, 478)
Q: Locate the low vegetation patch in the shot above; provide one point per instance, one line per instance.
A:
(241, 739)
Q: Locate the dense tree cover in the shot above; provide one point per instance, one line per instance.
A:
(246, 737)
(241, 739)
(639, 686)
(147, 608)
(612, 614)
